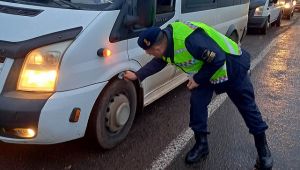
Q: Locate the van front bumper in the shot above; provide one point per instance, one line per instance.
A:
(257, 22)
(20, 110)
(48, 114)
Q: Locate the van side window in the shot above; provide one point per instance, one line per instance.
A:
(165, 10)
(165, 6)
(244, 1)
(130, 23)
(225, 3)
(237, 2)
(197, 5)
(200, 5)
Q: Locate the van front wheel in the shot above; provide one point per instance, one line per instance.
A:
(113, 113)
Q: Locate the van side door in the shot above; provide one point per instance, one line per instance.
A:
(164, 15)
(198, 10)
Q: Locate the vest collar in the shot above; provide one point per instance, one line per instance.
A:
(169, 53)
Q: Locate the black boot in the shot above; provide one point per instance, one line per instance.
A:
(200, 149)
(264, 160)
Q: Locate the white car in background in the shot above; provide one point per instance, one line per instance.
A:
(263, 14)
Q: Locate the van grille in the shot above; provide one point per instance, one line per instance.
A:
(19, 11)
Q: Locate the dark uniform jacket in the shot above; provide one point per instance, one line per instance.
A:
(199, 45)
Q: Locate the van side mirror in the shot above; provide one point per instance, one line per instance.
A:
(145, 14)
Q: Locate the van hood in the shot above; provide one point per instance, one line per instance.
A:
(15, 27)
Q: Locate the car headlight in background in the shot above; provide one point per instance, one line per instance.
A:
(287, 5)
(40, 69)
(259, 11)
(282, 2)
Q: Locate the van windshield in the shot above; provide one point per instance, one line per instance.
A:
(97, 5)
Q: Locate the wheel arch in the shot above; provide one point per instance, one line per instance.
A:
(139, 97)
(232, 30)
(131, 65)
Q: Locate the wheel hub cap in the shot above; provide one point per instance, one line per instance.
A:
(118, 113)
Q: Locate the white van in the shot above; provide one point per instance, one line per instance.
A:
(60, 61)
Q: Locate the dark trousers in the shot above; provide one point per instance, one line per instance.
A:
(241, 94)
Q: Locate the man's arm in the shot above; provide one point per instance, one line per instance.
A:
(202, 47)
(152, 67)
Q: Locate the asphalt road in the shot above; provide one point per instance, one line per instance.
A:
(276, 81)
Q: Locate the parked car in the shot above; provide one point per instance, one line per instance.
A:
(297, 5)
(263, 13)
(288, 8)
(60, 64)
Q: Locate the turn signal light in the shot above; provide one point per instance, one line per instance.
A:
(75, 115)
(104, 52)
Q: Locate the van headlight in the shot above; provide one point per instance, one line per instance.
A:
(40, 69)
(259, 11)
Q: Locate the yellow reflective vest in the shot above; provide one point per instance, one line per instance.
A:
(185, 61)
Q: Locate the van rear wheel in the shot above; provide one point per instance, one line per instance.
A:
(278, 21)
(113, 114)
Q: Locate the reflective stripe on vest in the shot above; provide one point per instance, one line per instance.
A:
(185, 61)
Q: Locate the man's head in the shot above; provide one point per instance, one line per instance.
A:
(153, 41)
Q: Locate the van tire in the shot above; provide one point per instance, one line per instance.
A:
(278, 21)
(234, 37)
(119, 96)
(264, 29)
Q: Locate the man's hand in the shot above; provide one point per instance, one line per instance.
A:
(192, 84)
(129, 75)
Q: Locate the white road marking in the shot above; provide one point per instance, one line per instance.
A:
(174, 148)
